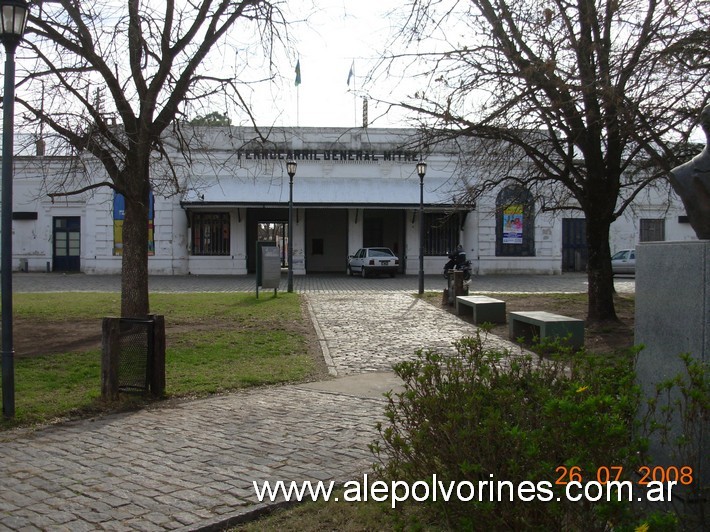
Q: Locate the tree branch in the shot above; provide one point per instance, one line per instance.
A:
(87, 188)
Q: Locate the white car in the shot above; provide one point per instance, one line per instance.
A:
(373, 260)
(624, 261)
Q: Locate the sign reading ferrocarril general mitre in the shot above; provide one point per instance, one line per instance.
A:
(329, 155)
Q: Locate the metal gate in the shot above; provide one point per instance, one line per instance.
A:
(135, 359)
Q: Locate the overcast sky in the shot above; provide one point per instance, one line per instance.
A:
(338, 35)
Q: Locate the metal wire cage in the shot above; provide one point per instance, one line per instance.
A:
(135, 354)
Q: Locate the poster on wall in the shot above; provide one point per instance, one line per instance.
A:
(513, 224)
(119, 214)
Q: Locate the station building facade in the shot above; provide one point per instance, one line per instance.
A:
(353, 188)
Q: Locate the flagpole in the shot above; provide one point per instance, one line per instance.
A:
(351, 74)
(298, 92)
(354, 93)
(355, 97)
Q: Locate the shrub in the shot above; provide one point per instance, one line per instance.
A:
(675, 421)
(494, 416)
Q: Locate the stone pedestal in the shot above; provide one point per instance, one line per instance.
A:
(673, 317)
(455, 287)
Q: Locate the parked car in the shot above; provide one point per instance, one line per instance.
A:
(368, 261)
(624, 261)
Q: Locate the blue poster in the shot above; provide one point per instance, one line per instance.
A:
(513, 224)
(119, 214)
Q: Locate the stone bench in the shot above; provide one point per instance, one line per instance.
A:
(545, 325)
(484, 308)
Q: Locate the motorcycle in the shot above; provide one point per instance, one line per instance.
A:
(457, 261)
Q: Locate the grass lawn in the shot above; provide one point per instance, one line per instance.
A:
(342, 516)
(216, 342)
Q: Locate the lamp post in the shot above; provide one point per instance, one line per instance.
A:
(291, 170)
(421, 170)
(13, 19)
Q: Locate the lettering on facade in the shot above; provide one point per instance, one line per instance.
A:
(329, 155)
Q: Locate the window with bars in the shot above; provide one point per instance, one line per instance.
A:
(442, 233)
(652, 230)
(210, 233)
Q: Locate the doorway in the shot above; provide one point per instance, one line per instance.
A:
(574, 245)
(276, 232)
(267, 225)
(384, 228)
(326, 240)
(66, 253)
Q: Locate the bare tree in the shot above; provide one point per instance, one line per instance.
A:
(111, 77)
(583, 103)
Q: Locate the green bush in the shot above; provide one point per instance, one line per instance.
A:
(675, 421)
(492, 416)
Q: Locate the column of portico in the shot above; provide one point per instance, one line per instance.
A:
(238, 243)
(354, 230)
(299, 241)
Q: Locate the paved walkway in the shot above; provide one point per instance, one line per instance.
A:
(359, 335)
(190, 465)
(328, 283)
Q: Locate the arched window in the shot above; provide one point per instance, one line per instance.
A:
(515, 222)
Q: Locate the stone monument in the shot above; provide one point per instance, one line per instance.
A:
(673, 318)
(691, 181)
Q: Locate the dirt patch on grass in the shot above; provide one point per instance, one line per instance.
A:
(36, 337)
(605, 338)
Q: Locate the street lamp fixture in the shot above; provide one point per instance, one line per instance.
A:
(291, 171)
(421, 170)
(291, 168)
(13, 19)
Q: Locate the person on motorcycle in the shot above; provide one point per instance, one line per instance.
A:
(457, 257)
(457, 261)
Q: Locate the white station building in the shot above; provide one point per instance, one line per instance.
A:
(353, 188)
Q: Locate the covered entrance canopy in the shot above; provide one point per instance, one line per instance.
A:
(333, 216)
(323, 192)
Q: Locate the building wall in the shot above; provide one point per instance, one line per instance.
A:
(326, 228)
(547, 257)
(32, 239)
(352, 186)
(653, 203)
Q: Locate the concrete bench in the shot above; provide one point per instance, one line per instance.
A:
(484, 308)
(545, 325)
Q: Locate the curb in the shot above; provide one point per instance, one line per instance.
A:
(321, 338)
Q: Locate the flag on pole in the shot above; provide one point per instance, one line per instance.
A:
(298, 73)
(352, 72)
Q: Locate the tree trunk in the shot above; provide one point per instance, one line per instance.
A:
(601, 280)
(134, 272)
